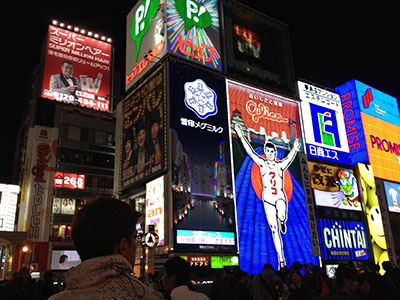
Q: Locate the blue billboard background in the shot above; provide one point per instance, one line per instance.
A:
(255, 240)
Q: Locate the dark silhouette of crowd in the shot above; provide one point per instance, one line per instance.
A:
(299, 282)
(22, 287)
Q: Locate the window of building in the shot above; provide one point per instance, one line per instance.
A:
(74, 133)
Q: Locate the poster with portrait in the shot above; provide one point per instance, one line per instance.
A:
(77, 69)
(271, 207)
(144, 138)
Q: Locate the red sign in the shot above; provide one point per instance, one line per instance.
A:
(199, 261)
(77, 69)
(69, 180)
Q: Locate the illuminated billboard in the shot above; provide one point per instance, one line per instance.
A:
(203, 206)
(257, 49)
(378, 223)
(145, 39)
(392, 190)
(143, 130)
(77, 69)
(325, 132)
(8, 206)
(69, 180)
(372, 122)
(383, 144)
(334, 187)
(372, 101)
(193, 29)
(37, 186)
(271, 203)
(155, 207)
(343, 240)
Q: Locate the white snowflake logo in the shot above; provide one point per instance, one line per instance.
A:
(200, 99)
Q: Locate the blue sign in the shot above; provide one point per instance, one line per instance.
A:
(353, 123)
(393, 196)
(332, 155)
(325, 125)
(342, 240)
(372, 101)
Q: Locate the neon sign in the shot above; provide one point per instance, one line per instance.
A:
(201, 99)
(69, 180)
(343, 239)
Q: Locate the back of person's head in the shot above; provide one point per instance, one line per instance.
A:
(387, 265)
(180, 268)
(268, 267)
(100, 225)
(344, 273)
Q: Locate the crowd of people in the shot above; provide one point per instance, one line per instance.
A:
(105, 237)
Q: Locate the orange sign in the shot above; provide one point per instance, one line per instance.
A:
(383, 143)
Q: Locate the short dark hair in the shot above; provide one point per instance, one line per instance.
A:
(62, 258)
(270, 145)
(180, 268)
(100, 225)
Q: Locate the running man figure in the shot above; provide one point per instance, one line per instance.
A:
(273, 195)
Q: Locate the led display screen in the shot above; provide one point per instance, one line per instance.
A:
(325, 131)
(373, 211)
(383, 144)
(392, 190)
(69, 180)
(219, 262)
(145, 39)
(77, 69)
(143, 145)
(334, 187)
(272, 216)
(372, 101)
(343, 240)
(257, 49)
(201, 170)
(193, 31)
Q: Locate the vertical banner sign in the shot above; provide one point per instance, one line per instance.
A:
(145, 39)
(193, 31)
(335, 187)
(203, 206)
(36, 210)
(325, 132)
(155, 207)
(374, 214)
(144, 138)
(77, 69)
(272, 212)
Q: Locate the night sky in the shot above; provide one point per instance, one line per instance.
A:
(332, 43)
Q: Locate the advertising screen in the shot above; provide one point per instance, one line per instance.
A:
(193, 29)
(392, 190)
(334, 187)
(145, 39)
(155, 207)
(8, 206)
(376, 215)
(144, 135)
(69, 180)
(203, 206)
(77, 69)
(372, 101)
(64, 259)
(219, 262)
(383, 144)
(325, 132)
(272, 216)
(257, 49)
(343, 240)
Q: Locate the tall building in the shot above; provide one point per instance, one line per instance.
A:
(65, 148)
